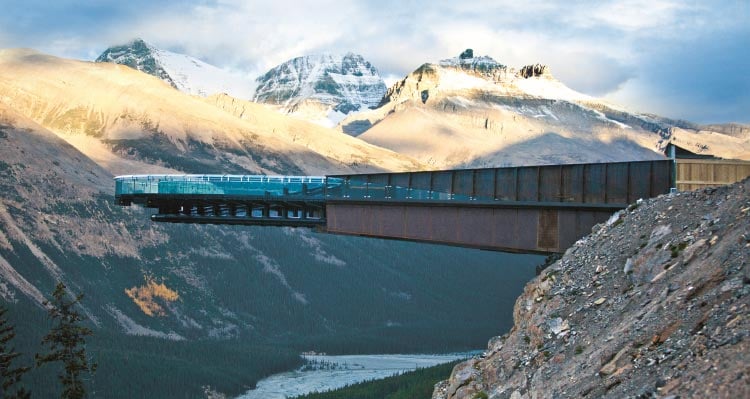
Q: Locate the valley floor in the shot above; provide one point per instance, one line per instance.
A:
(324, 373)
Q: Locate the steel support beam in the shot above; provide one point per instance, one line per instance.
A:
(510, 229)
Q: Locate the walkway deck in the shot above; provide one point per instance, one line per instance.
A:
(529, 209)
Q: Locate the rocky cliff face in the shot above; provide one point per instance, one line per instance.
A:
(322, 88)
(654, 303)
(530, 71)
(481, 66)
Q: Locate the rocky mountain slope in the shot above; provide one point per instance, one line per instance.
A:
(322, 88)
(128, 121)
(183, 72)
(324, 141)
(655, 303)
(472, 111)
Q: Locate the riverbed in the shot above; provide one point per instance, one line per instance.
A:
(331, 372)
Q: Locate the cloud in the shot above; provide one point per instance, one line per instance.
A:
(618, 48)
(705, 80)
(592, 73)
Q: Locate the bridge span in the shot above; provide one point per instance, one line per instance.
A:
(541, 209)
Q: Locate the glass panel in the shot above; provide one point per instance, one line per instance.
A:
(378, 187)
(442, 182)
(334, 188)
(399, 185)
(357, 187)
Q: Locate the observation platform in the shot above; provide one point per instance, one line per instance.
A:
(229, 199)
(540, 209)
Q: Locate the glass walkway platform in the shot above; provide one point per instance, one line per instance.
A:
(230, 199)
(541, 208)
(277, 187)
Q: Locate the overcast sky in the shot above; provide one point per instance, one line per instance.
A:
(680, 59)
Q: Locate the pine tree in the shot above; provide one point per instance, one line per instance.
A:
(66, 342)
(10, 375)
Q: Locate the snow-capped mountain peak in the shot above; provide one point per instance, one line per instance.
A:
(183, 72)
(481, 74)
(323, 88)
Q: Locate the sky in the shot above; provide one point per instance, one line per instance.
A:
(680, 59)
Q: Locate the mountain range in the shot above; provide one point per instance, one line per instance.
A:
(472, 111)
(217, 307)
(321, 88)
(206, 306)
(138, 121)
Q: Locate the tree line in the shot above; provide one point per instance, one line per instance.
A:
(64, 344)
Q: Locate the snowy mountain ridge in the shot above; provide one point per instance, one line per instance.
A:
(481, 74)
(323, 88)
(183, 72)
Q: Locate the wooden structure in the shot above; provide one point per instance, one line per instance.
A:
(693, 174)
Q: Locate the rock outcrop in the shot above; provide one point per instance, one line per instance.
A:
(482, 66)
(530, 71)
(653, 304)
(138, 55)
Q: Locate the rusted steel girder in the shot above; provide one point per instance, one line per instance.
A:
(510, 229)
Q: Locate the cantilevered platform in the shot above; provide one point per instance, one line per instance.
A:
(229, 199)
(524, 209)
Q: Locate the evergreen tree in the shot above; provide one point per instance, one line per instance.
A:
(66, 342)
(10, 375)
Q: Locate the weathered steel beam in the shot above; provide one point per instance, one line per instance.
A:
(513, 229)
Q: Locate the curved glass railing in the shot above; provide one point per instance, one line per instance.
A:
(232, 185)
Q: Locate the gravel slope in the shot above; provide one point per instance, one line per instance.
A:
(653, 304)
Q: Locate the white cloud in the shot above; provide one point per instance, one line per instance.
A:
(631, 15)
